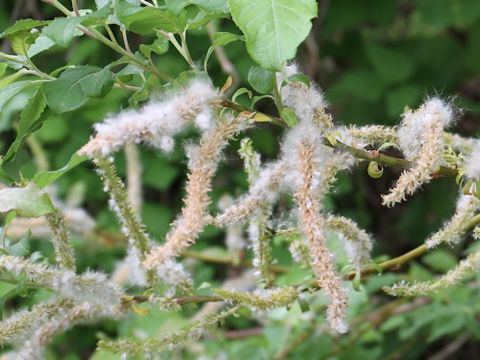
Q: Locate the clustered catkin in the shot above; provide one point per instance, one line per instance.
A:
(305, 169)
(155, 123)
(322, 263)
(420, 138)
(453, 231)
(202, 167)
(466, 267)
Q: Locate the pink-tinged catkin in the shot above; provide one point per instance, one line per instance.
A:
(194, 216)
(321, 258)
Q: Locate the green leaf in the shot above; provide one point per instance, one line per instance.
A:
(29, 121)
(62, 30)
(74, 86)
(10, 90)
(390, 64)
(27, 201)
(22, 288)
(23, 25)
(221, 39)
(273, 28)
(97, 84)
(261, 80)
(256, 99)
(240, 92)
(297, 77)
(159, 47)
(440, 260)
(3, 68)
(45, 178)
(288, 114)
(9, 79)
(212, 6)
(144, 20)
(304, 305)
(20, 42)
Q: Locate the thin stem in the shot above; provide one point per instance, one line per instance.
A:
(14, 58)
(125, 39)
(187, 52)
(225, 63)
(241, 108)
(75, 8)
(276, 95)
(385, 159)
(99, 36)
(110, 35)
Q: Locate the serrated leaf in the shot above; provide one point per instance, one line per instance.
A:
(159, 47)
(62, 30)
(261, 80)
(144, 20)
(273, 28)
(28, 201)
(21, 41)
(23, 25)
(45, 178)
(97, 84)
(74, 86)
(288, 115)
(221, 39)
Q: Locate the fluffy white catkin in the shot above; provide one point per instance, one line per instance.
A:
(156, 122)
(420, 138)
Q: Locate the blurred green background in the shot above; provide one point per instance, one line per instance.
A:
(371, 57)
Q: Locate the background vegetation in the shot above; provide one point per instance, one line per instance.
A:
(372, 58)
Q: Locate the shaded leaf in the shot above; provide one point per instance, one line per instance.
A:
(28, 201)
(261, 80)
(45, 178)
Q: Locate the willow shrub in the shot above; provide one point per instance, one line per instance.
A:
(283, 206)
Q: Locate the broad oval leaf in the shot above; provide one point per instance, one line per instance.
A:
(273, 28)
(261, 80)
(62, 30)
(28, 201)
(75, 86)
